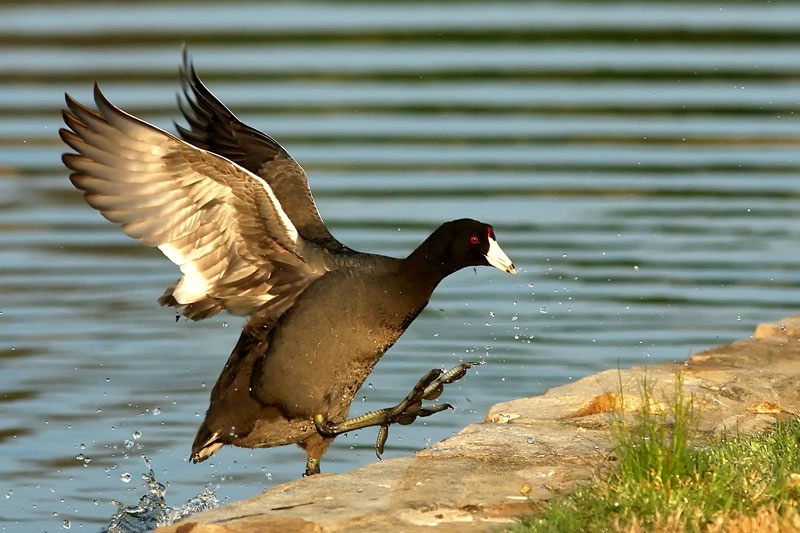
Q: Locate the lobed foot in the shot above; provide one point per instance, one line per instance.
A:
(429, 387)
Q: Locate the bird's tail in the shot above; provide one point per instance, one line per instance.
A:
(205, 444)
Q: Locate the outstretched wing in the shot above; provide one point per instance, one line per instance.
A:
(223, 226)
(213, 127)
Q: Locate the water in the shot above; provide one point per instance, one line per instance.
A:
(152, 509)
(639, 164)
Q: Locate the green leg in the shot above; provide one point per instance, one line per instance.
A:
(429, 387)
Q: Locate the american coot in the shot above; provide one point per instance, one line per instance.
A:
(234, 211)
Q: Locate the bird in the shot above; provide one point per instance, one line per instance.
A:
(232, 209)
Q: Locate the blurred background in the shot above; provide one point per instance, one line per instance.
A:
(638, 161)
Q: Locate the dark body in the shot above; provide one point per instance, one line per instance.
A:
(234, 211)
(332, 348)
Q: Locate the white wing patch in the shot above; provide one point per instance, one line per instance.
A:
(291, 231)
(193, 286)
(236, 247)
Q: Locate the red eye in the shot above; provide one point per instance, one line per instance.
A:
(474, 239)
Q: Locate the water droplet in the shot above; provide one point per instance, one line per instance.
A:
(152, 507)
(137, 435)
(128, 444)
(224, 324)
(66, 525)
(82, 446)
(80, 457)
(269, 475)
(156, 410)
(9, 494)
(125, 477)
(491, 314)
(531, 440)
(636, 268)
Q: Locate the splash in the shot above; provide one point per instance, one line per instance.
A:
(152, 510)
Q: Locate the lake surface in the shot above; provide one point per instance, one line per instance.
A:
(639, 163)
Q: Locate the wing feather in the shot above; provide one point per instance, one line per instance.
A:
(213, 127)
(224, 227)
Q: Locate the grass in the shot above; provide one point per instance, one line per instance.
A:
(668, 477)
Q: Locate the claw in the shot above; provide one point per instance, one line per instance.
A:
(383, 434)
(432, 410)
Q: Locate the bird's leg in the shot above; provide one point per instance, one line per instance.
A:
(315, 446)
(429, 387)
(312, 467)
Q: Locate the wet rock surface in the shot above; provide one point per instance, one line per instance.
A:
(527, 450)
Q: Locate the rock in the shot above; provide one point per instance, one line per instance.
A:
(788, 327)
(527, 450)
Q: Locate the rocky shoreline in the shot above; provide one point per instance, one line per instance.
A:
(526, 450)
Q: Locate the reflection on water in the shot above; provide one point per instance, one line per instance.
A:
(639, 164)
